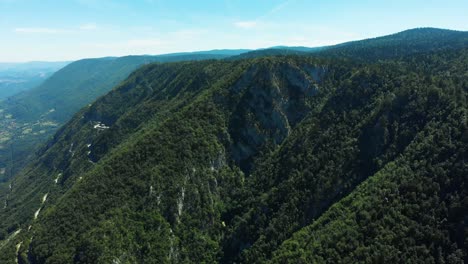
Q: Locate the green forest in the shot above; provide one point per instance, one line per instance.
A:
(353, 153)
(28, 119)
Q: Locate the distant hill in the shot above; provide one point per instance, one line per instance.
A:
(18, 77)
(32, 66)
(271, 52)
(299, 48)
(216, 52)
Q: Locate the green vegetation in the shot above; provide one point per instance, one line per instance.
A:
(400, 45)
(283, 159)
(375, 120)
(53, 103)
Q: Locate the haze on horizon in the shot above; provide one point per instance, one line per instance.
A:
(70, 30)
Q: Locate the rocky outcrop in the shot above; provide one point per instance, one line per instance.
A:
(272, 100)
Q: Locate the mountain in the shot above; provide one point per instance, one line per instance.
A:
(393, 46)
(182, 105)
(217, 52)
(29, 118)
(32, 66)
(18, 77)
(274, 159)
(299, 48)
(83, 81)
(399, 45)
(279, 51)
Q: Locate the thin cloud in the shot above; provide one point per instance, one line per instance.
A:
(254, 23)
(49, 30)
(88, 26)
(132, 43)
(102, 4)
(144, 43)
(188, 33)
(276, 8)
(39, 30)
(246, 24)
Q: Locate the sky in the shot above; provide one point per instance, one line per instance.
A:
(65, 30)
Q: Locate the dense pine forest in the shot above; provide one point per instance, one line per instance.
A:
(349, 153)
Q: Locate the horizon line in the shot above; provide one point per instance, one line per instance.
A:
(224, 49)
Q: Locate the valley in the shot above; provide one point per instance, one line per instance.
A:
(19, 77)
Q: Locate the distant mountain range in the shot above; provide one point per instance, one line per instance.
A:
(32, 66)
(18, 77)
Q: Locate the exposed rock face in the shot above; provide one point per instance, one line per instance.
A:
(273, 99)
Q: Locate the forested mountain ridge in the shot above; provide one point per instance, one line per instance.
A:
(29, 118)
(394, 46)
(333, 152)
(399, 45)
(272, 159)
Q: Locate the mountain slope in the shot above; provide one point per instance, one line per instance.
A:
(30, 118)
(157, 141)
(399, 45)
(273, 159)
(415, 207)
(369, 123)
(82, 82)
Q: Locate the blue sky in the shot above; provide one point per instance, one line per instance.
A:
(55, 30)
